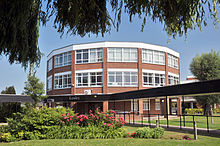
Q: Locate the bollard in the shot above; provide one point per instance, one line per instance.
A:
(195, 130)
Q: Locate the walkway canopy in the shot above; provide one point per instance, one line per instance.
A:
(190, 89)
(15, 98)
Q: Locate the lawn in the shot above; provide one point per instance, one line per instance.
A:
(201, 122)
(170, 138)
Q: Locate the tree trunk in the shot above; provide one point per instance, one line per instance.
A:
(207, 110)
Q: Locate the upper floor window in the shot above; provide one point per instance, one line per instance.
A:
(89, 79)
(173, 80)
(63, 59)
(62, 81)
(122, 79)
(49, 83)
(150, 56)
(50, 64)
(172, 61)
(89, 55)
(153, 79)
(122, 54)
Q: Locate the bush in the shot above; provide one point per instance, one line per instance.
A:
(52, 123)
(147, 132)
(195, 111)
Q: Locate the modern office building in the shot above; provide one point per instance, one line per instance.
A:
(112, 67)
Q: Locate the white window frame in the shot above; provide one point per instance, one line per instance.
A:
(62, 76)
(146, 104)
(173, 61)
(49, 83)
(149, 56)
(50, 64)
(116, 52)
(153, 74)
(89, 75)
(98, 55)
(173, 79)
(63, 59)
(157, 104)
(135, 105)
(123, 83)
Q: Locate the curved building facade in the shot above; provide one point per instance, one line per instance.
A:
(112, 67)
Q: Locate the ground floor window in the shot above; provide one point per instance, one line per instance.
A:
(146, 104)
(157, 104)
(134, 105)
(153, 79)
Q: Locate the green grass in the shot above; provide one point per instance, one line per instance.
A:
(170, 139)
(200, 121)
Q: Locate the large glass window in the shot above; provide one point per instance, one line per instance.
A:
(122, 54)
(146, 104)
(89, 55)
(89, 79)
(172, 80)
(153, 79)
(62, 81)
(173, 61)
(150, 56)
(122, 79)
(63, 59)
(50, 64)
(49, 83)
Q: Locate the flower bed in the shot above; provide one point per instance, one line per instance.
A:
(52, 123)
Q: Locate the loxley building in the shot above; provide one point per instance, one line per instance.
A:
(112, 67)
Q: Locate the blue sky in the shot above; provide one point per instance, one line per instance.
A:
(197, 42)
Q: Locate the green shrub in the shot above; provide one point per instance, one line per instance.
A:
(195, 111)
(7, 137)
(146, 132)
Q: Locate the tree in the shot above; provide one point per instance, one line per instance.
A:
(9, 90)
(19, 20)
(34, 88)
(207, 67)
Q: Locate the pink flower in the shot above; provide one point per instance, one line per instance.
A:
(113, 112)
(77, 123)
(71, 116)
(104, 123)
(77, 117)
(97, 117)
(108, 124)
(98, 113)
(111, 125)
(67, 120)
(116, 120)
(63, 122)
(68, 114)
(63, 115)
(90, 111)
(81, 119)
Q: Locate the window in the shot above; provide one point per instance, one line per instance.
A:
(122, 79)
(157, 104)
(146, 104)
(63, 59)
(62, 81)
(173, 61)
(135, 105)
(150, 56)
(153, 79)
(89, 56)
(122, 54)
(50, 64)
(173, 80)
(89, 79)
(49, 83)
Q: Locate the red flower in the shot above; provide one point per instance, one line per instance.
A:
(90, 111)
(104, 123)
(81, 119)
(77, 123)
(67, 120)
(68, 114)
(71, 116)
(63, 115)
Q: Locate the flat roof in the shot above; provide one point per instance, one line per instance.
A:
(190, 89)
(108, 44)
